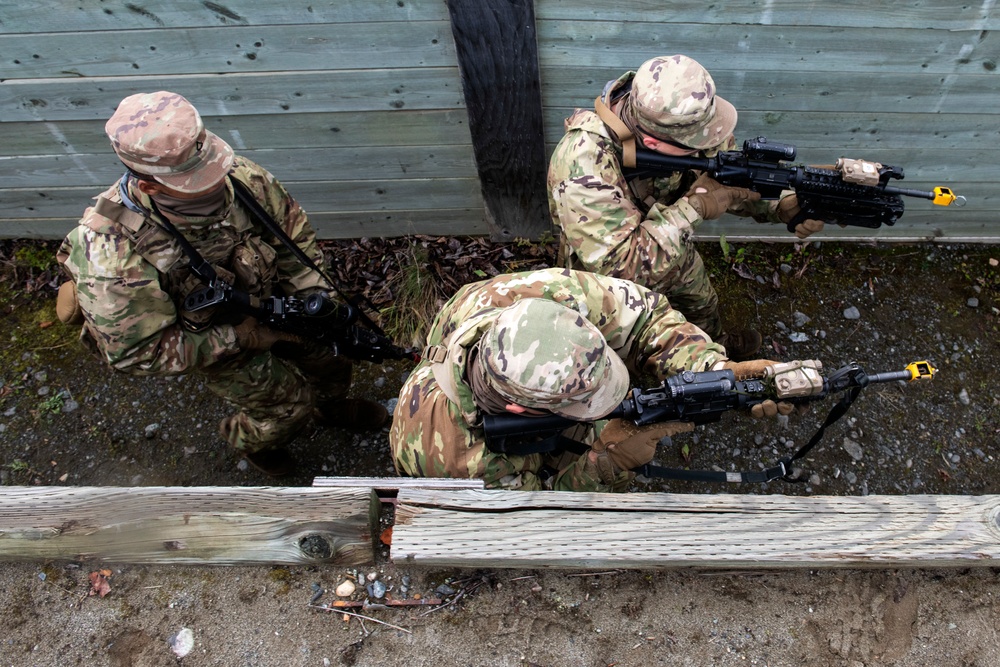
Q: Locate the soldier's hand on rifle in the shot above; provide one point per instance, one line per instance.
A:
(759, 368)
(710, 199)
(788, 208)
(624, 446)
(251, 335)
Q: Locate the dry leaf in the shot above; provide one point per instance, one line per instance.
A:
(99, 583)
(386, 536)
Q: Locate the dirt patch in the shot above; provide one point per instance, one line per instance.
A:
(66, 420)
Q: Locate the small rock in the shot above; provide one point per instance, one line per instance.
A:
(151, 431)
(798, 337)
(814, 479)
(444, 590)
(70, 406)
(785, 268)
(800, 319)
(852, 313)
(973, 302)
(853, 449)
(243, 465)
(182, 643)
(43, 391)
(963, 397)
(345, 589)
(372, 576)
(376, 589)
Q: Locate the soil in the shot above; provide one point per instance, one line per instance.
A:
(65, 419)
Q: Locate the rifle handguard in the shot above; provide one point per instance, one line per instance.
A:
(795, 379)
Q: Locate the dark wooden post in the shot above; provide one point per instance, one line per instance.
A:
(498, 60)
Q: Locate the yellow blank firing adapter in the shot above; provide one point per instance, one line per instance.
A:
(920, 370)
(945, 197)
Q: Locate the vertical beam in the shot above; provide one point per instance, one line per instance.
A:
(498, 60)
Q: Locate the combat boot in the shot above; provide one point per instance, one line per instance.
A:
(353, 414)
(272, 461)
(740, 345)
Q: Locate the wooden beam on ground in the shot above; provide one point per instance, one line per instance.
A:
(188, 525)
(498, 61)
(656, 530)
(396, 483)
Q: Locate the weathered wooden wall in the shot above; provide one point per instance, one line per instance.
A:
(358, 105)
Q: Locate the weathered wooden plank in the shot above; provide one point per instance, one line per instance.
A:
(395, 483)
(774, 91)
(832, 131)
(960, 227)
(498, 58)
(436, 127)
(328, 225)
(803, 48)
(939, 14)
(384, 163)
(214, 50)
(343, 196)
(355, 163)
(187, 525)
(238, 94)
(32, 16)
(654, 530)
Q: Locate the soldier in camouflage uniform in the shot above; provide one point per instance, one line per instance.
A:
(129, 277)
(553, 340)
(641, 229)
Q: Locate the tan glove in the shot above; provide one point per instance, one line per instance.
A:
(624, 446)
(710, 199)
(759, 368)
(252, 336)
(788, 208)
(67, 306)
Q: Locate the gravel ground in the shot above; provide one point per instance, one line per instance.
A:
(67, 420)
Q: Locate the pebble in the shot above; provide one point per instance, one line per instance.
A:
(376, 589)
(798, 337)
(853, 449)
(852, 313)
(151, 430)
(70, 406)
(963, 397)
(973, 302)
(814, 479)
(444, 590)
(182, 643)
(800, 319)
(785, 268)
(390, 405)
(345, 589)
(43, 391)
(372, 576)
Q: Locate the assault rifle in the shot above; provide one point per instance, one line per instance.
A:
(316, 318)
(855, 192)
(700, 398)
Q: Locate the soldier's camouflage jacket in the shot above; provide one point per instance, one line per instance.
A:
(638, 230)
(434, 435)
(131, 276)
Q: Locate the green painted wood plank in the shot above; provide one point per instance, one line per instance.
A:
(339, 196)
(353, 163)
(774, 91)
(833, 131)
(264, 131)
(214, 50)
(28, 16)
(239, 94)
(940, 14)
(957, 228)
(625, 44)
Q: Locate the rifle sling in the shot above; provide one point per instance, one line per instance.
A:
(250, 202)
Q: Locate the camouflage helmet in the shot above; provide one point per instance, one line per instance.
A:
(673, 98)
(161, 135)
(544, 355)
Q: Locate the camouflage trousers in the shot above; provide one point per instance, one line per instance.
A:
(277, 393)
(687, 287)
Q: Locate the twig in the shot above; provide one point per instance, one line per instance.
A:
(594, 574)
(53, 347)
(530, 576)
(361, 616)
(461, 594)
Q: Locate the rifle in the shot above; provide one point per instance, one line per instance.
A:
(700, 398)
(855, 192)
(315, 318)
